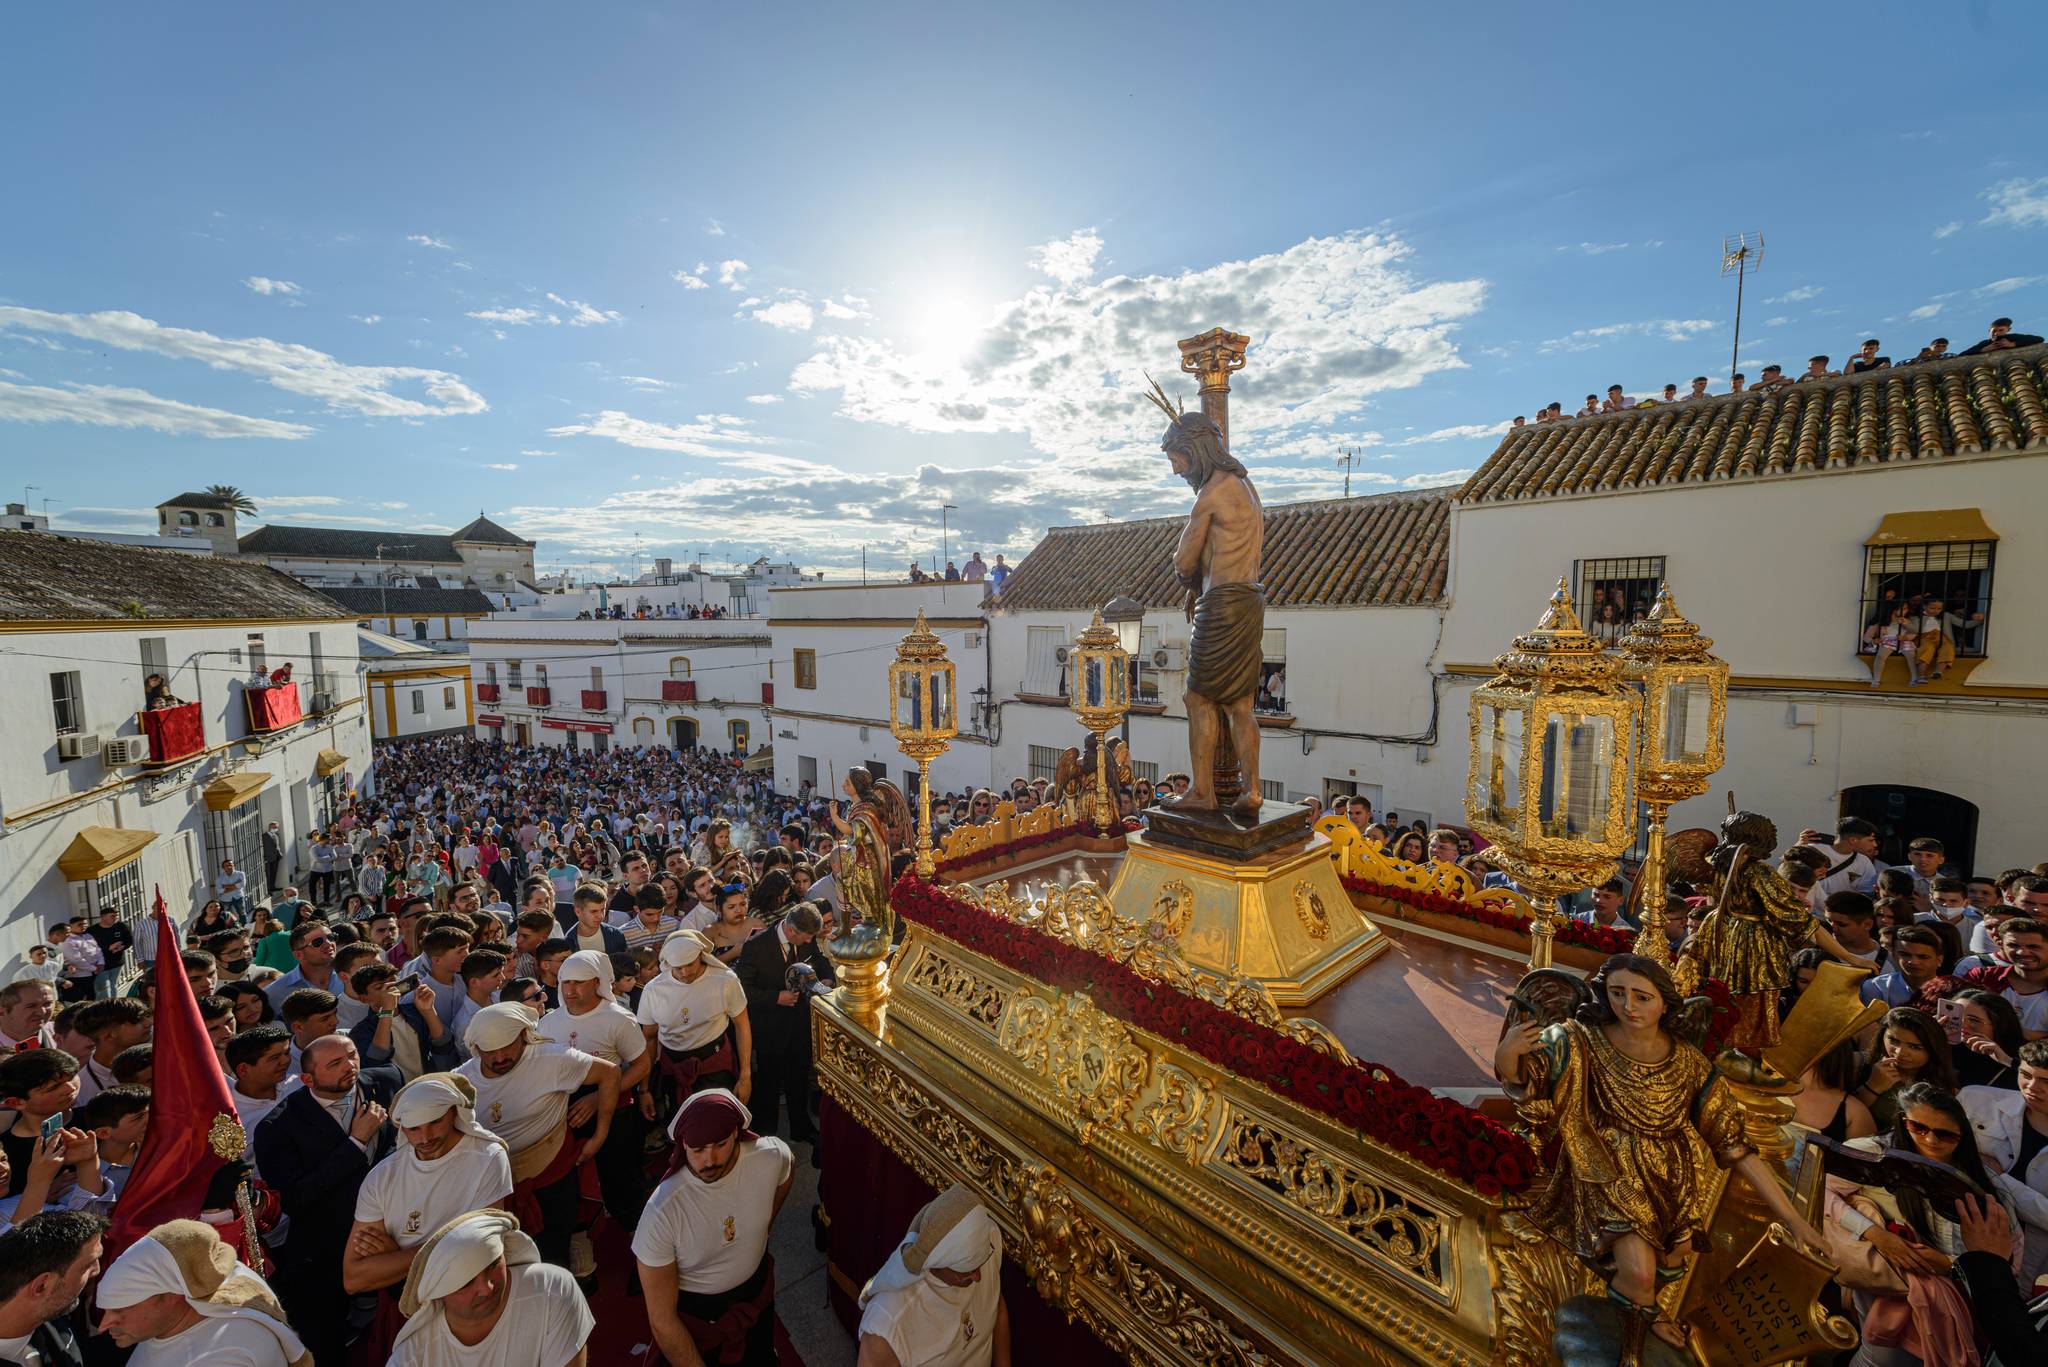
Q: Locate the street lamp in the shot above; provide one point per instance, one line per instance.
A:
(922, 702)
(1685, 713)
(1553, 740)
(1101, 698)
(1127, 616)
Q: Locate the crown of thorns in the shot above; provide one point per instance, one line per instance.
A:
(1171, 408)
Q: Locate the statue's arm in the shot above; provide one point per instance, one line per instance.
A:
(1194, 538)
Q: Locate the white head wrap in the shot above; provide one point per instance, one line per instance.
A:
(498, 1025)
(955, 1232)
(187, 1258)
(588, 963)
(684, 947)
(430, 1096)
(452, 1257)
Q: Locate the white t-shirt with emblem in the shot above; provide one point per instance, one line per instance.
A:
(529, 1103)
(412, 1198)
(226, 1341)
(714, 1233)
(608, 1032)
(545, 1321)
(692, 1015)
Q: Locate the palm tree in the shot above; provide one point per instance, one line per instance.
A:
(237, 500)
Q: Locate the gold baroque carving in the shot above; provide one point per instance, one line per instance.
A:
(1308, 905)
(1532, 1276)
(1178, 1118)
(1175, 906)
(1090, 1059)
(1380, 1219)
(967, 992)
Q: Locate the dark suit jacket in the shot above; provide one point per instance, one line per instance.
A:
(316, 1168)
(56, 1342)
(762, 971)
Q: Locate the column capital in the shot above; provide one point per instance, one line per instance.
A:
(1213, 356)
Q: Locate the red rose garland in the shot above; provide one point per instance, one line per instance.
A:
(989, 854)
(1453, 1139)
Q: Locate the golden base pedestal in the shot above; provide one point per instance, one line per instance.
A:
(1283, 919)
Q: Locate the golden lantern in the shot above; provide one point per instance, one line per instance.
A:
(1685, 715)
(923, 703)
(1553, 739)
(1100, 697)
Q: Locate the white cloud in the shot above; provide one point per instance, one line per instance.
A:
(1800, 295)
(297, 500)
(425, 241)
(1776, 322)
(1069, 260)
(325, 518)
(2008, 285)
(283, 365)
(263, 284)
(1471, 431)
(690, 280)
(791, 315)
(582, 315)
(100, 405)
(713, 228)
(1924, 312)
(2018, 203)
(1334, 320)
(501, 467)
(1669, 329)
(729, 273)
(1949, 229)
(532, 452)
(846, 306)
(367, 319)
(713, 436)
(644, 382)
(1436, 479)
(514, 317)
(764, 399)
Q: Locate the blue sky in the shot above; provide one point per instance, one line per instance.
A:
(784, 279)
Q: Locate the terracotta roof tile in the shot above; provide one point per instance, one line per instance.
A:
(1388, 549)
(401, 602)
(58, 579)
(1965, 406)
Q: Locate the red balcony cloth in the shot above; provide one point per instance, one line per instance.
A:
(537, 697)
(679, 690)
(271, 709)
(174, 732)
(768, 695)
(487, 692)
(593, 699)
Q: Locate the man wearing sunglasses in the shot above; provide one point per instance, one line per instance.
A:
(312, 946)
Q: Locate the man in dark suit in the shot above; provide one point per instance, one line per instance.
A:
(45, 1262)
(315, 1149)
(273, 857)
(781, 1018)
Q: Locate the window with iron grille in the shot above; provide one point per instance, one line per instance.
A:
(121, 891)
(512, 674)
(806, 668)
(1045, 675)
(67, 702)
(419, 702)
(1146, 769)
(448, 698)
(1915, 576)
(1613, 593)
(1044, 761)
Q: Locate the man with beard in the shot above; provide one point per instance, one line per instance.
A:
(702, 1245)
(523, 1085)
(45, 1262)
(315, 1149)
(938, 1301)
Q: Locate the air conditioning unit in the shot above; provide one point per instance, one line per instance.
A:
(1169, 657)
(863, 733)
(125, 750)
(78, 745)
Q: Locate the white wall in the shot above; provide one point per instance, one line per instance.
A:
(46, 801)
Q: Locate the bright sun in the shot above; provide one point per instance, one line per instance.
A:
(944, 322)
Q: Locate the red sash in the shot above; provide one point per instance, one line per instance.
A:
(684, 1070)
(723, 1337)
(525, 1202)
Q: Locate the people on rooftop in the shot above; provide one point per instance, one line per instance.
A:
(1866, 358)
(2003, 338)
(1699, 387)
(1817, 369)
(1617, 400)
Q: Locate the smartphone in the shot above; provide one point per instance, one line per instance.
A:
(1950, 1014)
(51, 1126)
(407, 984)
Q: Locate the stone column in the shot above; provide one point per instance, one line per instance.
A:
(1212, 358)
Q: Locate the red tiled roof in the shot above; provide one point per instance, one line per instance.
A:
(1388, 549)
(1967, 406)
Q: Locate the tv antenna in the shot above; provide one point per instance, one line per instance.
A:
(1742, 253)
(1348, 459)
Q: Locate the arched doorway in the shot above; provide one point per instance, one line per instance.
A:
(682, 733)
(1902, 813)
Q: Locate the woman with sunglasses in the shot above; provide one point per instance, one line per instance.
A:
(1927, 1318)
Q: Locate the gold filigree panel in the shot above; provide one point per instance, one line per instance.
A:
(1090, 1061)
(1176, 1118)
(973, 996)
(1391, 1225)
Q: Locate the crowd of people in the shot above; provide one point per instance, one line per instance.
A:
(520, 996)
(1866, 357)
(975, 571)
(618, 612)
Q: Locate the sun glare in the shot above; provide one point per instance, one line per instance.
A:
(944, 323)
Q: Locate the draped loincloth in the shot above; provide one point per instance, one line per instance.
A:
(1228, 643)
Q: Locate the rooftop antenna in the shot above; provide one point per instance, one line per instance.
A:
(1741, 254)
(1347, 459)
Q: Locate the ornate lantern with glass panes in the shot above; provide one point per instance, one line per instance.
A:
(923, 718)
(1553, 740)
(1100, 697)
(1685, 714)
